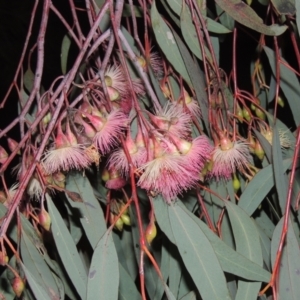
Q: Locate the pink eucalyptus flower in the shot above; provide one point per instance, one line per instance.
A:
(108, 129)
(173, 120)
(66, 154)
(229, 157)
(119, 160)
(115, 78)
(166, 174)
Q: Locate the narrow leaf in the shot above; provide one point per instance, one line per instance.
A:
(280, 179)
(198, 256)
(289, 275)
(259, 187)
(245, 15)
(288, 83)
(247, 243)
(92, 218)
(103, 278)
(36, 288)
(167, 43)
(37, 267)
(127, 287)
(230, 260)
(67, 250)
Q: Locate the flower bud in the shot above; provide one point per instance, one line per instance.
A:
(280, 101)
(260, 114)
(246, 114)
(47, 118)
(259, 151)
(12, 145)
(166, 91)
(119, 224)
(113, 94)
(2, 197)
(151, 232)
(126, 219)
(3, 155)
(236, 183)
(105, 175)
(141, 61)
(45, 219)
(18, 286)
(3, 258)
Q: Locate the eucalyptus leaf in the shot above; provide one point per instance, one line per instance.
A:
(92, 218)
(289, 275)
(167, 43)
(67, 250)
(198, 256)
(38, 291)
(288, 83)
(230, 260)
(259, 187)
(37, 267)
(248, 244)
(280, 179)
(245, 15)
(127, 287)
(103, 277)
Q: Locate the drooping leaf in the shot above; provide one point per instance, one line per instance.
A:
(280, 178)
(162, 217)
(196, 76)
(245, 15)
(259, 187)
(38, 291)
(67, 250)
(167, 43)
(198, 255)
(37, 267)
(175, 271)
(127, 287)
(284, 7)
(288, 83)
(230, 260)
(92, 218)
(103, 277)
(248, 244)
(289, 275)
(190, 296)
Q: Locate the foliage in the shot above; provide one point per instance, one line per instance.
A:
(148, 167)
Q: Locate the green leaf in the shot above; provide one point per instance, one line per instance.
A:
(280, 179)
(288, 83)
(65, 47)
(245, 15)
(196, 76)
(162, 217)
(259, 187)
(127, 287)
(247, 243)
(36, 288)
(190, 296)
(190, 35)
(103, 278)
(230, 260)
(176, 5)
(92, 218)
(37, 266)
(167, 43)
(67, 250)
(164, 268)
(198, 256)
(284, 7)
(289, 275)
(175, 269)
